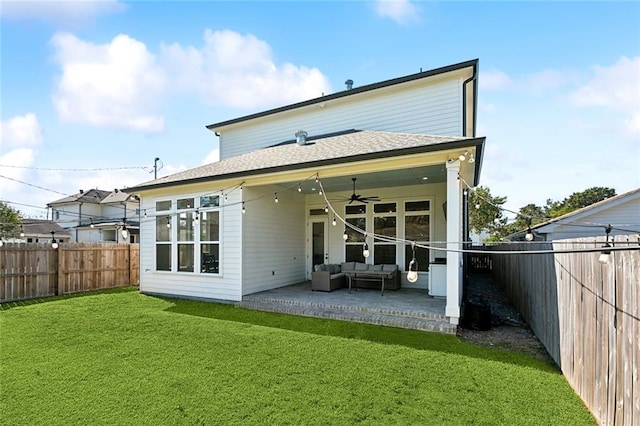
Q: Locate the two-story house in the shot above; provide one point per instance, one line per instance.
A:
(385, 165)
(98, 216)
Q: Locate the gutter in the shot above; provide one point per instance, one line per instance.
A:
(479, 153)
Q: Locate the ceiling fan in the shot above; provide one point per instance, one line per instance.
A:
(357, 197)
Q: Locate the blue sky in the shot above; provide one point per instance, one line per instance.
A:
(101, 86)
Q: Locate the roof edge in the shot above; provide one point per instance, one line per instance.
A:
(478, 142)
(366, 88)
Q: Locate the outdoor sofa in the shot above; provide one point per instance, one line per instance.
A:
(329, 277)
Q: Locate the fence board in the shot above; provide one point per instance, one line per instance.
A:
(30, 270)
(587, 315)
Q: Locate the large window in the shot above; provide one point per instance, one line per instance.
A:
(417, 226)
(188, 234)
(385, 225)
(357, 217)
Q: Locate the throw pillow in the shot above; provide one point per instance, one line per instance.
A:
(361, 266)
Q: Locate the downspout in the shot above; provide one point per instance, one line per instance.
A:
(474, 77)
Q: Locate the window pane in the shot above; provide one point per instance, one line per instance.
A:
(355, 236)
(209, 258)
(385, 208)
(354, 253)
(360, 209)
(317, 212)
(163, 257)
(416, 206)
(163, 233)
(185, 257)
(210, 201)
(185, 203)
(163, 205)
(385, 226)
(384, 254)
(416, 228)
(185, 227)
(210, 226)
(422, 257)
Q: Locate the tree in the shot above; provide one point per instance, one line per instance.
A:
(10, 221)
(485, 210)
(578, 200)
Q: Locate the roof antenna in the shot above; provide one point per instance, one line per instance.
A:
(349, 84)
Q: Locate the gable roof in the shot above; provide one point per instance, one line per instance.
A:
(340, 148)
(591, 209)
(473, 64)
(550, 225)
(43, 227)
(90, 196)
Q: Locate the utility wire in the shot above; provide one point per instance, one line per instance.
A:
(77, 170)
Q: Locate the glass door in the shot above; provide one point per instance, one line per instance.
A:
(319, 247)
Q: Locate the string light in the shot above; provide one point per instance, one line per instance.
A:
(125, 231)
(326, 208)
(529, 235)
(244, 210)
(412, 274)
(299, 187)
(345, 236)
(275, 197)
(54, 243)
(365, 250)
(605, 255)
(334, 222)
(168, 221)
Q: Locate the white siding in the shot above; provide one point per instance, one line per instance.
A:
(225, 286)
(625, 216)
(274, 245)
(433, 108)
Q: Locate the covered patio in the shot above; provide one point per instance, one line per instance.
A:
(404, 308)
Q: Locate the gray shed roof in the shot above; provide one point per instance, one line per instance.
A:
(42, 227)
(325, 150)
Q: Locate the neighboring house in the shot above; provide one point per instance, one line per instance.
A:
(257, 219)
(96, 215)
(622, 212)
(42, 231)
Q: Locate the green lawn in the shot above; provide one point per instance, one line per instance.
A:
(119, 357)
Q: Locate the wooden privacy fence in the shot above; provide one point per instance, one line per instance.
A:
(29, 271)
(586, 314)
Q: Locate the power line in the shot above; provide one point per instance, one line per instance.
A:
(77, 169)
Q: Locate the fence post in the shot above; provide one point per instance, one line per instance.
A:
(60, 271)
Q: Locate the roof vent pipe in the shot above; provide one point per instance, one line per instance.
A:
(82, 191)
(301, 137)
(349, 84)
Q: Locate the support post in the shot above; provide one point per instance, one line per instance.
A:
(454, 235)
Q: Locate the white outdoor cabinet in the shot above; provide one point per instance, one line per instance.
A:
(438, 279)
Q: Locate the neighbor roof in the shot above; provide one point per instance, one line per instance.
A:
(90, 196)
(43, 227)
(350, 146)
(349, 92)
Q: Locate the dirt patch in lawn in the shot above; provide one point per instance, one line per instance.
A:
(508, 330)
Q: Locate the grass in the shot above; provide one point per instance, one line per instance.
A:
(120, 357)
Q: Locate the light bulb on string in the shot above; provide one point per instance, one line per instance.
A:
(365, 250)
(334, 222)
(605, 254)
(326, 208)
(91, 225)
(299, 187)
(168, 222)
(275, 198)
(345, 236)
(244, 210)
(412, 273)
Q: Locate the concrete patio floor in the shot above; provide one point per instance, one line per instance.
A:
(403, 308)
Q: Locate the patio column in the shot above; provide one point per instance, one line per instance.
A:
(454, 234)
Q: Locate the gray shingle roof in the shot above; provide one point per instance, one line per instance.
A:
(332, 149)
(90, 196)
(41, 227)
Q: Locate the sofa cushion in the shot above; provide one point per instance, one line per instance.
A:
(334, 269)
(375, 268)
(347, 266)
(361, 266)
(322, 267)
(389, 268)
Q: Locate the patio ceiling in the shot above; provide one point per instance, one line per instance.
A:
(382, 179)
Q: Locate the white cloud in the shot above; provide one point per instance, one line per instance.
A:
(212, 157)
(23, 157)
(60, 11)
(402, 12)
(21, 131)
(112, 85)
(238, 71)
(615, 87)
(546, 80)
(494, 80)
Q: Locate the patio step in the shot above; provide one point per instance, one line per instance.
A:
(388, 318)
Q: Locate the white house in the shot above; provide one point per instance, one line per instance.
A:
(263, 215)
(621, 212)
(96, 215)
